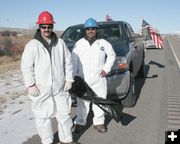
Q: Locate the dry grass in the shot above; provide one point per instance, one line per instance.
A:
(12, 63)
(9, 63)
(2, 103)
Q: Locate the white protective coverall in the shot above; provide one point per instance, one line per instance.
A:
(49, 73)
(88, 62)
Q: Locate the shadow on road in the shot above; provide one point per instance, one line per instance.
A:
(155, 63)
(35, 139)
(76, 136)
(124, 120)
(151, 62)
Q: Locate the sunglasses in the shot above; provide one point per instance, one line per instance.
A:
(46, 27)
(88, 29)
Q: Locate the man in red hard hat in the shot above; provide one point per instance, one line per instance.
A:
(47, 71)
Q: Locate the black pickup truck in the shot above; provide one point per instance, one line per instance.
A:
(129, 49)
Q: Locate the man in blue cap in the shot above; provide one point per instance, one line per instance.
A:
(93, 58)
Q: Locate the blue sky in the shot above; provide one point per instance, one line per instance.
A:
(162, 15)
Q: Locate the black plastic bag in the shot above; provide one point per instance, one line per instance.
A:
(81, 89)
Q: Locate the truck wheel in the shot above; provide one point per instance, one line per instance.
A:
(130, 99)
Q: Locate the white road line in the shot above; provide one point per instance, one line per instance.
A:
(178, 63)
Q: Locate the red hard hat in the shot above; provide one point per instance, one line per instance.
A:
(45, 18)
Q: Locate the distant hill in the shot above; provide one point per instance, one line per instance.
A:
(23, 31)
(11, 29)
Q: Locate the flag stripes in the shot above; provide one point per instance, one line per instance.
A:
(156, 37)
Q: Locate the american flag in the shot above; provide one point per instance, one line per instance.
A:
(156, 37)
(108, 18)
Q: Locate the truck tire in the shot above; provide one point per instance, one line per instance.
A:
(130, 99)
(141, 72)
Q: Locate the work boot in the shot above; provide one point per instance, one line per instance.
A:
(101, 128)
(78, 128)
(73, 142)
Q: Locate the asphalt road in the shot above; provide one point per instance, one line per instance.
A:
(157, 108)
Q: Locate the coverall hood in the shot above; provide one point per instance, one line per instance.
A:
(54, 40)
